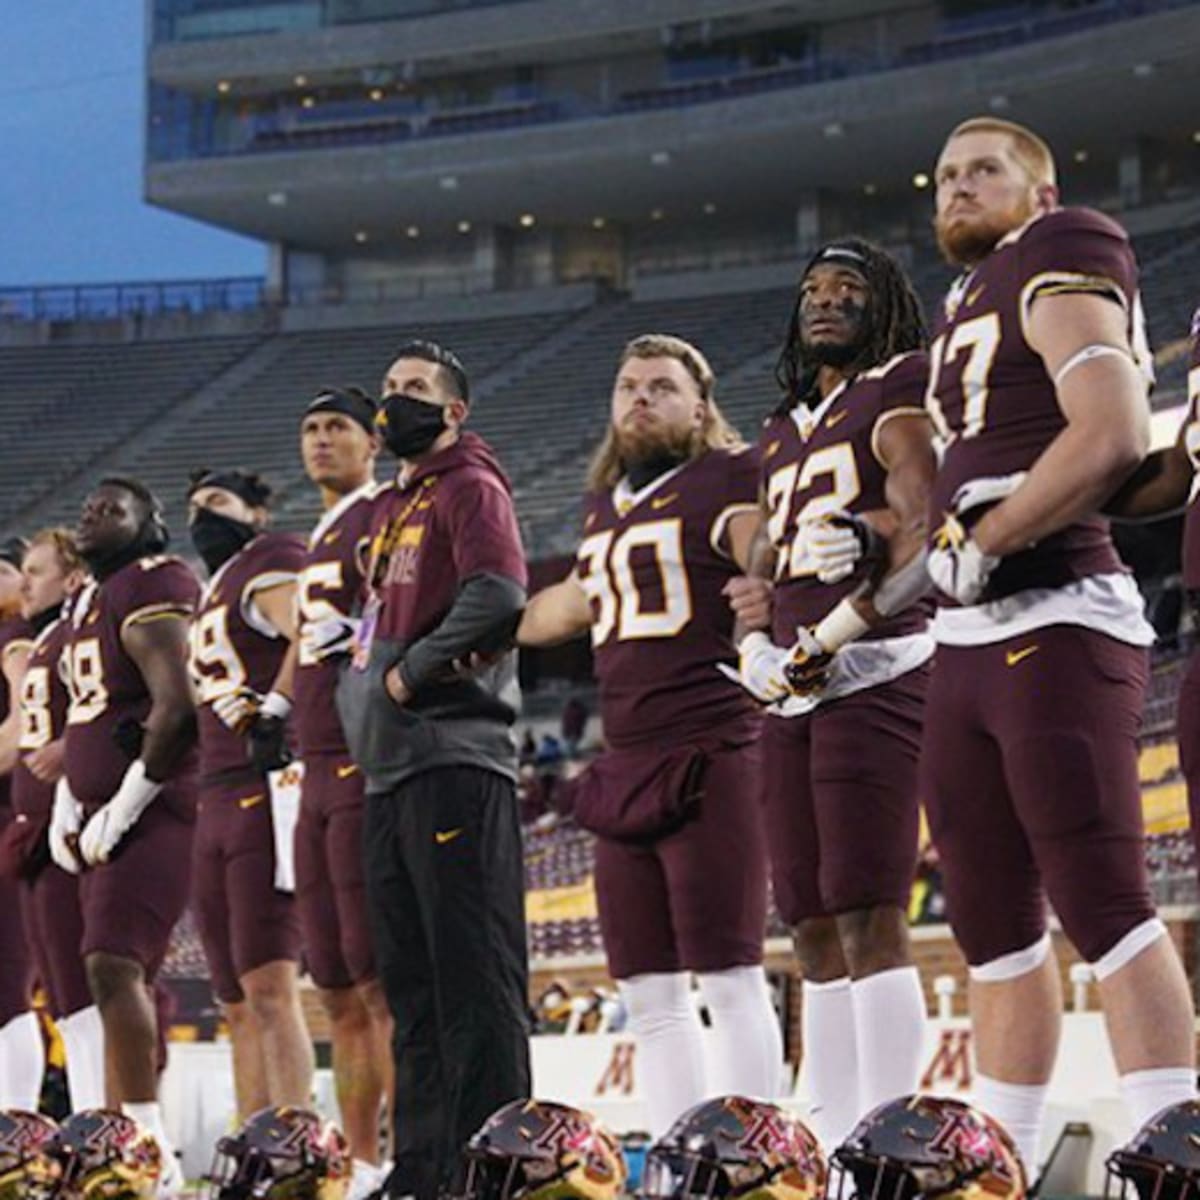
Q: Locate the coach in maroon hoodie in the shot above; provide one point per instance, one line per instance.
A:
(445, 578)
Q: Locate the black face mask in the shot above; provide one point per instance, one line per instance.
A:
(218, 538)
(409, 426)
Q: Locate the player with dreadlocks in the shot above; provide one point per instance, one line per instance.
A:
(847, 466)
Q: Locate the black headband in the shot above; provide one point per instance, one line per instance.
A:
(12, 550)
(837, 254)
(350, 402)
(249, 487)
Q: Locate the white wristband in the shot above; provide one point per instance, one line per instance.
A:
(137, 787)
(839, 626)
(276, 704)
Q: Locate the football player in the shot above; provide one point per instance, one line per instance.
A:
(1038, 388)
(848, 451)
(239, 641)
(339, 445)
(1166, 482)
(21, 1056)
(51, 572)
(680, 852)
(124, 809)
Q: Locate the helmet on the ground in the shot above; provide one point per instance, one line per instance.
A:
(1161, 1160)
(106, 1155)
(282, 1154)
(28, 1171)
(539, 1150)
(736, 1147)
(930, 1146)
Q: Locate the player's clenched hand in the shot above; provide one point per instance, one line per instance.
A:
(807, 667)
(65, 819)
(750, 600)
(323, 639)
(112, 821)
(956, 564)
(237, 710)
(760, 668)
(837, 544)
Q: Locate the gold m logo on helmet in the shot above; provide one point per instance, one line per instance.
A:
(618, 1075)
(950, 1067)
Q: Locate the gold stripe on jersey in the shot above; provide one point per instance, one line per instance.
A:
(902, 410)
(156, 612)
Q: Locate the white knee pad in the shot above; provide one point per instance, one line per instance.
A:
(1014, 965)
(1128, 948)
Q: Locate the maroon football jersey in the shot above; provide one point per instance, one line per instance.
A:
(991, 400)
(330, 582)
(13, 633)
(233, 646)
(104, 683)
(652, 565)
(43, 703)
(453, 518)
(814, 467)
(1191, 522)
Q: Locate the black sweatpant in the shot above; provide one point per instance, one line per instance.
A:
(446, 897)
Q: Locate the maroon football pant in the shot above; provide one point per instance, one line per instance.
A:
(54, 931)
(15, 964)
(130, 904)
(330, 888)
(696, 898)
(1187, 732)
(244, 922)
(1029, 778)
(840, 788)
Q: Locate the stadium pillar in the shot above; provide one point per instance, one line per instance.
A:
(1129, 175)
(808, 219)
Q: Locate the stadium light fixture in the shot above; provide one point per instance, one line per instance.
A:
(300, 80)
(527, 220)
(1080, 155)
(277, 199)
(598, 222)
(657, 214)
(464, 227)
(709, 208)
(1196, 136)
(376, 94)
(413, 231)
(224, 86)
(361, 237)
(307, 102)
(920, 180)
(1143, 70)
(661, 158)
(869, 189)
(448, 183)
(834, 129)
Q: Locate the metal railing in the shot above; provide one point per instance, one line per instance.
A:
(101, 301)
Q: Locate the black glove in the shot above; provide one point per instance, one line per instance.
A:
(266, 744)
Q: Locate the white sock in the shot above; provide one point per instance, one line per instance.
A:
(746, 1034)
(670, 1059)
(889, 1030)
(1146, 1093)
(22, 1062)
(830, 1066)
(1019, 1107)
(83, 1040)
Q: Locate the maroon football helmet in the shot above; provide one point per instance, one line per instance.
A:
(28, 1171)
(106, 1155)
(930, 1146)
(735, 1147)
(1161, 1160)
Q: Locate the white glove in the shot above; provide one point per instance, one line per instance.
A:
(112, 821)
(65, 819)
(760, 668)
(956, 564)
(236, 710)
(322, 639)
(836, 544)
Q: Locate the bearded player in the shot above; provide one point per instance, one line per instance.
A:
(239, 642)
(52, 572)
(849, 449)
(21, 1053)
(124, 810)
(338, 444)
(680, 855)
(1038, 389)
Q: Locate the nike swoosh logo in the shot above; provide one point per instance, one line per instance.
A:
(663, 501)
(442, 836)
(332, 537)
(346, 772)
(835, 418)
(1012, 657)
(251, 801)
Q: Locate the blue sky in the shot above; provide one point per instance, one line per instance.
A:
(71, 121)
